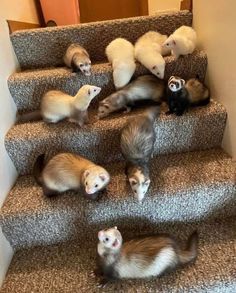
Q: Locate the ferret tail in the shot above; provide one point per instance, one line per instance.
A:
(153, 112)
(190, 252)
(32, 116)
(38, 168)
(201, 102)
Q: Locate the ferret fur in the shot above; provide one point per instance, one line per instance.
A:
(143, 257)
(78, 59)
(57, 105)
(146, 87)
(182, 42)
(148, 51)
(120, 54)
(137, 143)
(67, 171)
(181, 95)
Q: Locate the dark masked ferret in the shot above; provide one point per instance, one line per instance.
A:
(143, 257)
(57, 105)
(67, 171)
(183, 95)
(137, 142)
(146, 87)
(78, 59)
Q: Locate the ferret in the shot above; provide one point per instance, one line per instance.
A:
(181, 95)
(137, 143)
(182, 42)
(140, 258)
(57, 105)
(148, 51)
(120, 54)
(78, 59)
(67, 171)
(146, 87)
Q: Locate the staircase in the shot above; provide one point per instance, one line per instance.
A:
(193, 181)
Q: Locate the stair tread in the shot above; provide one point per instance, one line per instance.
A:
(28, 87)
(184, 186)
(67, 267)
(32, 52)
(26, 141)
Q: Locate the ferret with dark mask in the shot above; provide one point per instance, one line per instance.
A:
(140, 258)
(181, 95)
(78, 59)
(67, 171)
(146, 87)
(137, 142)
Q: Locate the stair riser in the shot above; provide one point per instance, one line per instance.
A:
(85, 219)
(46, 47)
(101, 143)
(27, 89)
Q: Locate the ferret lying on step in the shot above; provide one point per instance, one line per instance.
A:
(142, 257)
(120, 54)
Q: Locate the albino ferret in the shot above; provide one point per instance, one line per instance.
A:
(143, 257)
(148, 51)
(137, 143)
(56, 106)
(77, 58)
(67, 171)
(120, 54)
(182, 42)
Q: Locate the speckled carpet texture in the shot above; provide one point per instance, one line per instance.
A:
(193, 181)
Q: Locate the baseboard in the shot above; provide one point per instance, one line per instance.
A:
(6, 253)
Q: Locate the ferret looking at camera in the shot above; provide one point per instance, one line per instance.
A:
(182, 42)
(148, 51)
(146, 87)
(137, 143)
(140, 258)
(120, 54)
(56, 106)
(77, 58)
(67, 171)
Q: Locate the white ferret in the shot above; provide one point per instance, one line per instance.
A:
(77, 58)
(67, 171)
(57, 105)
(120, 54)
(182, 42)
(148, 51)
(143, 257)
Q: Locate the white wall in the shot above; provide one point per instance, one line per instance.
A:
(215, 23)
(157, 5)
(20, 10)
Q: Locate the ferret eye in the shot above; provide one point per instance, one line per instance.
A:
(81, 65)
(86, 183)
(154, 67)
(94, 90)
(107, 239)
(96, 186)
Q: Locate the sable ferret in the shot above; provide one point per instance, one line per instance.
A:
(120, 54)
(137, 142)
(143, 257)
(67, 171)
(181, 95)
(78, 59)
(146, 87)
(148, 51)
(57, 105)
(182, 42)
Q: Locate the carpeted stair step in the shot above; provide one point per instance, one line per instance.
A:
(67, 267)
(185, 187)
(28, 87)
(46, 46)
(200, 128)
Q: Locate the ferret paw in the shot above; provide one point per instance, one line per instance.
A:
(127, 110)
(169, 112)
(102, 283)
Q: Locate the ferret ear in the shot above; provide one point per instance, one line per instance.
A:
(86, 173)
(115, 227)
(132, 181)
(103, 176)
(182, 82)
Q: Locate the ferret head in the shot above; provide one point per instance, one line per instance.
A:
(95, 179)
(175, 83)
(139, 184)
(170, 43)
(110, 238)
(83, 63)
(88, 91)
(158, 68)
